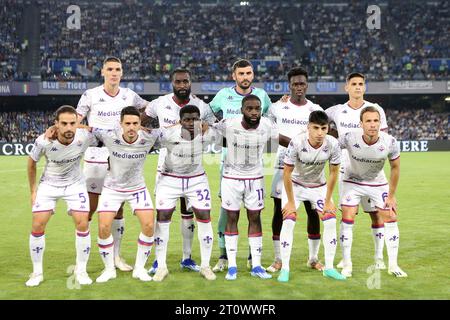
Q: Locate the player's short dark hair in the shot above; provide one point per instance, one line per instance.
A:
(318, 117)
(297, 71)
(250, 97)
(241, 63)
(129, 111)
(179, 70)
(190, 108)
(368, 109)
(354, 75)
(65, 109)
(111, 58)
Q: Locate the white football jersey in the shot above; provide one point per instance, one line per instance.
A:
(347, 119)
(291, 119)
(63, 162)
(168, 111)
(184, 157)
(309, 162)
(366, 162)
(126, 160)
(102, 110)
(244, 158)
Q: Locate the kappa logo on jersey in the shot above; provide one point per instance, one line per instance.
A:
(230, 98)
(286, 108)
(207, 205)
(147, 204)
(168, 108)
(304, 150)
(37, 205)
(54, 149)
(105, 204)
(117, 141)
(82, 207)
(357, 146)
(161, 202)
(124, 98)
(345, 111)
(260, 204)
(102, 100)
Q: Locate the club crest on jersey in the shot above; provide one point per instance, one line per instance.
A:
(117, 141)
(124, 97)
(381, 148)
(105, 204)
(79, 143)
(348, 198)
(304, 150)
(93, 186)
(228, 203)
(142, 142)
(325, 149)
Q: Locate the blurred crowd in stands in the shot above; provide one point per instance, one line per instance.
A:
(152, 39)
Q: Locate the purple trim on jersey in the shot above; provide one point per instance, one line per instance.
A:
(315, 148)
(394, 158)
(147, 244)
(371, 143)
(346, 205)
(365, 184)
(111, 95)
(166, 210)
(94, 193)
(243, 95)
(231, 233)
(105, 246)
(242, 178)
(126, 191)
(314, 236)
(310, 187)
(297, 104)
(182, 177)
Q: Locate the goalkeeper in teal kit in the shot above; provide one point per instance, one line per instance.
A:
(227, 104)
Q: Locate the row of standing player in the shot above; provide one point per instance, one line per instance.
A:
(102, 106)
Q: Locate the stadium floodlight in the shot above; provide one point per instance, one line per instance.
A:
(447, 99)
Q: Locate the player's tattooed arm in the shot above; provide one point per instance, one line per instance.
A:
(31, 168)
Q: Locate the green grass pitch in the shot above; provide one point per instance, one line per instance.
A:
(423, 197)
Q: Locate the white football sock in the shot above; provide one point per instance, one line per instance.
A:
(286, 242)
(106, 249)
(392, 238)
(144, 248)
(313, 246)
(378, 240)
(117, 231)
(83, 249)
(346, 237)
(162, 235)
(255, 242)
(187, 231)
(205, 237)
(276, 247)
(231, 244)
(329, 241)
(37, 248)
